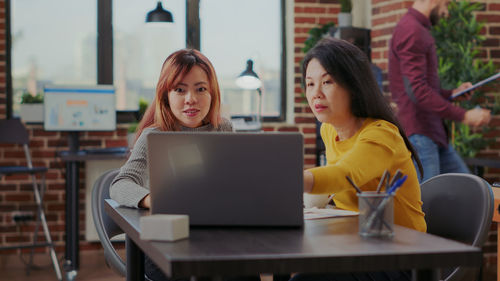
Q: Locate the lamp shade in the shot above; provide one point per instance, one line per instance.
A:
(248, 79)
(159, 15)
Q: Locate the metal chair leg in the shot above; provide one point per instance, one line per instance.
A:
(37, 223)
(45, 227)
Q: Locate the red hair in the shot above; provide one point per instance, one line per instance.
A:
(175, 67)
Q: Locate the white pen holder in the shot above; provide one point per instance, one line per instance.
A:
(376, 215)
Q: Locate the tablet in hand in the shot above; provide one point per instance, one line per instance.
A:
(478, 84)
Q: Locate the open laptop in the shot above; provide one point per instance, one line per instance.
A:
(227, 179)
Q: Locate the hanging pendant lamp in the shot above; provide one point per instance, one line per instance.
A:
(159, 15)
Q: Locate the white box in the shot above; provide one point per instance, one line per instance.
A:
(164, 227)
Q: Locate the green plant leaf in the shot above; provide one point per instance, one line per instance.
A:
(315, 34)
(345, 6)
(458, 42)
(28, 98)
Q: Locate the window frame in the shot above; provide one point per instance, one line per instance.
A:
(8, 63)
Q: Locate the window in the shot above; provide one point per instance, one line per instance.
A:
(140, 48)
(50, 47)
(62, 48)
(233, 31)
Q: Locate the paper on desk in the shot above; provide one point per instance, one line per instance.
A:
(316, 213)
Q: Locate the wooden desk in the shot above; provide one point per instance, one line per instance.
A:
(327, 245)
(496, 218)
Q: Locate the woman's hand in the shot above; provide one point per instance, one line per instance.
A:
(308, 181)
(145, 202)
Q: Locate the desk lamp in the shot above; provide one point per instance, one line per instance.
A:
(249, 80)
(159, 15)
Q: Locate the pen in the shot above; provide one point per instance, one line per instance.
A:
(387, 179)
(396, 185)
(397, 175)
(330, 200)
(358, 190)
(382, 180)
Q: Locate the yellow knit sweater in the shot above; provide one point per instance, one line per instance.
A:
(364, 157)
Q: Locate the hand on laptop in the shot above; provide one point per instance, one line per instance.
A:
(145, 202)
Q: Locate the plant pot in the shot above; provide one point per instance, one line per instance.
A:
(345, 19)
(31, 112)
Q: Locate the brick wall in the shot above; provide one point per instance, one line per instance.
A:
(491, 51)
(385, 15)
(16, 191)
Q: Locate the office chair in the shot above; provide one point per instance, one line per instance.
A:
(458, 207)
(12, 131)
(105, 226)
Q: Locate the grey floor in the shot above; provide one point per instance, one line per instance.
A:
(92, 267)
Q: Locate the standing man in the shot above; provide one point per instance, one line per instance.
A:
(415, 87)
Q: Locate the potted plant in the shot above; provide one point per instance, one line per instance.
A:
(31, 108)
(316, 34)
(345, 16)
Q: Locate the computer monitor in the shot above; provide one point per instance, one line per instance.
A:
(79, 108)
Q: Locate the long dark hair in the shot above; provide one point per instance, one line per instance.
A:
(351, 69)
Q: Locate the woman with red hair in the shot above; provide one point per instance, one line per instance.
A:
(187, 99)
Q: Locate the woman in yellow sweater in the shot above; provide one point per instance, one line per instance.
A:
(362, 139)
(361, 135)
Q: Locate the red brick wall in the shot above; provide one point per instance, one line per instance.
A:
(385, 15)
(16, 191)
(491, 51)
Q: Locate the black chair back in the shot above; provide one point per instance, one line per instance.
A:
(458, 207)
(13, 131)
